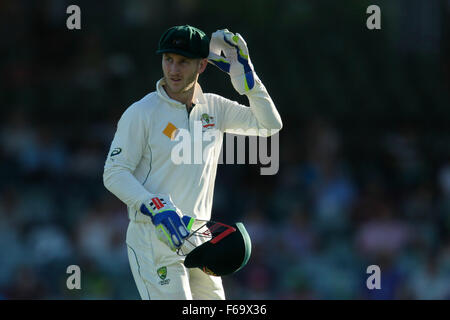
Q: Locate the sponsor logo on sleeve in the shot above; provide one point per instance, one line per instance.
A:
(115, 152)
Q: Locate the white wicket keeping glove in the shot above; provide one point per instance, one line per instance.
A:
(171, 226)
(236, 61)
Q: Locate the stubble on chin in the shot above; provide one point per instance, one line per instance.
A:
(184, 88)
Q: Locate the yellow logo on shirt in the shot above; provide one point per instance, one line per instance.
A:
(170, 131)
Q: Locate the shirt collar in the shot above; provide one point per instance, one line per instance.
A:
(199, 97)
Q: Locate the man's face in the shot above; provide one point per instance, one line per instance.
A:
(180, 72)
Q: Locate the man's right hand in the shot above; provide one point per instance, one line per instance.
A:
(171, 227)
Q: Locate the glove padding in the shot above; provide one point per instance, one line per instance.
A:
(171, 226)
(236, 61)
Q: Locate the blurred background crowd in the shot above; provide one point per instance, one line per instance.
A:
(364, 174)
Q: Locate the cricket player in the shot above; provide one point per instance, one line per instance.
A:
(164, 196)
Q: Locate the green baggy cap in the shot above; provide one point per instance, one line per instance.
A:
(226, 256)
(185, 40)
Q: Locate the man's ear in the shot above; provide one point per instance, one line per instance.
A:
(202, 65)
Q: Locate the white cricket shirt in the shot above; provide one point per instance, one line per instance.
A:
(144, 157)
